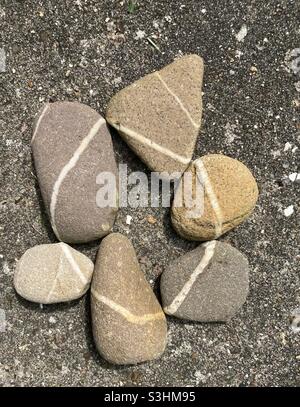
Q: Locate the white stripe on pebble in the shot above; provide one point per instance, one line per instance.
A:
(147, 142)
(67, 168)
(196, 125)
(50, 294)
(73, 263)
(129, 316)
(204, 179)
(39, 122)
(178, 300)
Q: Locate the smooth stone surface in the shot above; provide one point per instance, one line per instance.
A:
(159, 116)
(210, 283)
(129, 325)
(53, 273)
(71, 145)
(230, 193)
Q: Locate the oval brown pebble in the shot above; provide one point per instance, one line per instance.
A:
(71, 146)
(227, 195)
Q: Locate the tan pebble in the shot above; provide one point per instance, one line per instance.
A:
(151, 219)
(129, 325)
(229, 194)
(159, 116)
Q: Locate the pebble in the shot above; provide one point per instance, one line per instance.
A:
(151, 219)
(71, 145)
(289, 211)
(129, 325)
(227, 196)
(53, 273)
(159, 116)
(208, 284)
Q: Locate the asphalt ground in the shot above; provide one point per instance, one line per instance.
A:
(87, 51)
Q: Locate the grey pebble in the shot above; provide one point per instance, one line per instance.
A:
(208, 284)
(71, 146)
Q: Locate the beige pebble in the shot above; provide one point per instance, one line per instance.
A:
(53, 273)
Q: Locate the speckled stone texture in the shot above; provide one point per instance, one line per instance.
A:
(218, 288)
(129, 325)
(230, 194)
(159, 116)
(71, 147)
(53, 273)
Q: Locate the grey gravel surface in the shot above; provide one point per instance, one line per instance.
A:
(87, 51)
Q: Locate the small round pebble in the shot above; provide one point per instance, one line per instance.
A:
(227, 196)
(53, 273)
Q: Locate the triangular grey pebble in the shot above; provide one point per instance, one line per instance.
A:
(159, 116)
(209, 284)
(129, 325)
(53, 273)
(71, 145)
